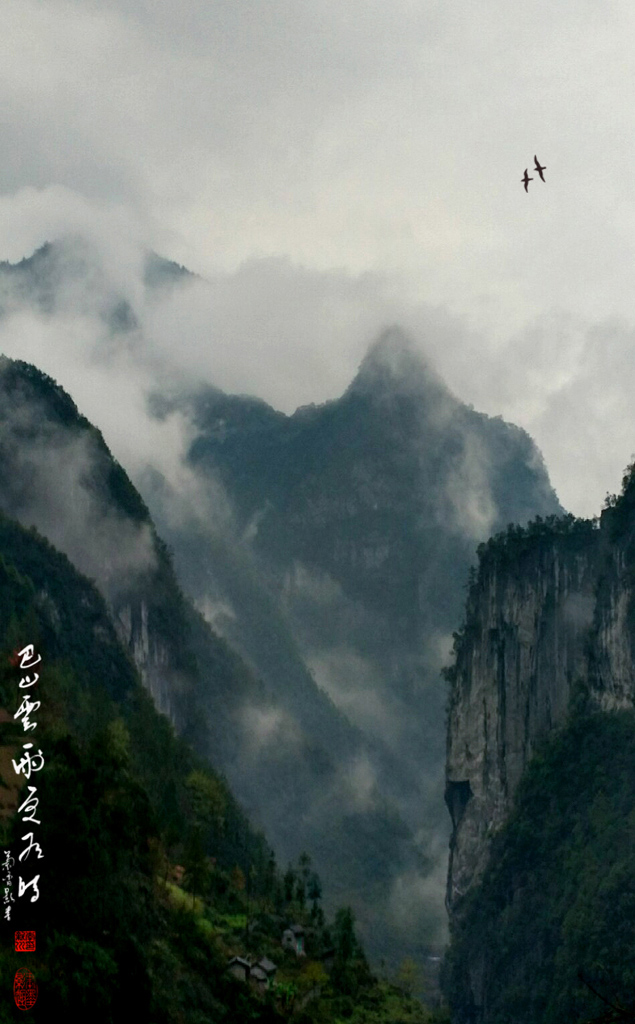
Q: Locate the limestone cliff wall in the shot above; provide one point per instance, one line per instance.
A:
(548, 620)
(150, 654)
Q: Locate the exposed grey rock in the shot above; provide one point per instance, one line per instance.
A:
(150, 654)
(547, 622)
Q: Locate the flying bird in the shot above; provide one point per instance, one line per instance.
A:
(526, 180)
(539, 168)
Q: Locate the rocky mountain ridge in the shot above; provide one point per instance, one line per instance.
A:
(360, 517)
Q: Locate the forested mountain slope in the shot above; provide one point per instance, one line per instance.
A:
(117, 801)
(56, 473)
(150, 879)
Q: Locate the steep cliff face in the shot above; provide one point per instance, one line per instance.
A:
(150, 654)
(549, 622)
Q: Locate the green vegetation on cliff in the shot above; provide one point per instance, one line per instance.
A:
(558, 897)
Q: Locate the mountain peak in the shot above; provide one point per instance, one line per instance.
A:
(73, 255)
(393, 362)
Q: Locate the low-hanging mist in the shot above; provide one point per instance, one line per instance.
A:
(329, 547)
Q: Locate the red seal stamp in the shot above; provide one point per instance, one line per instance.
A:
(24, 989)
(25, 942)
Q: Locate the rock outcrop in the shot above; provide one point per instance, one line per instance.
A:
(549, 623)
(150, 654)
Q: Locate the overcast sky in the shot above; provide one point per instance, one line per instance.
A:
(334, 164)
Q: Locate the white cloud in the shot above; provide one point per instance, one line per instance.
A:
(56, 495)
(418, 897)
(355, 686)
(267, 728)
(373, 155)
(294, 335)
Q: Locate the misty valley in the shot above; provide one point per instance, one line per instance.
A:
(337, 706)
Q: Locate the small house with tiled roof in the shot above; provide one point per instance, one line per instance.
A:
(239, 967)
(258, 978)
(268, 967)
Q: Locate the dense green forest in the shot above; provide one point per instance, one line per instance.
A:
(554, 917)
(152, 878)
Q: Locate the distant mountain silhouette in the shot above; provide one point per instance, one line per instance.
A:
(359, 520)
